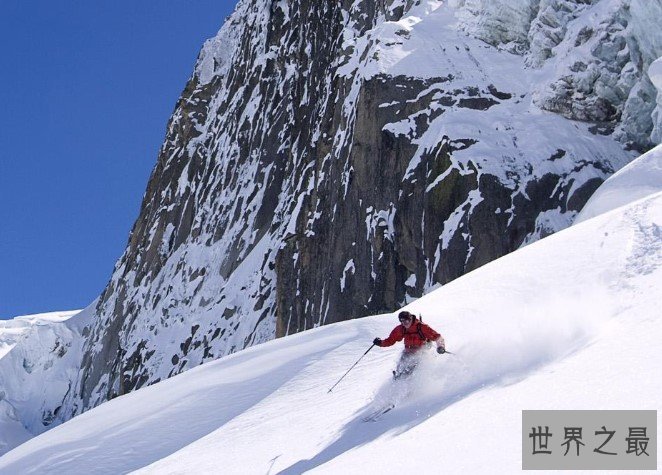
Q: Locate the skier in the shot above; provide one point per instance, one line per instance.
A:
(416, 335)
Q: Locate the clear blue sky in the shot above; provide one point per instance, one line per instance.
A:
(86, 90)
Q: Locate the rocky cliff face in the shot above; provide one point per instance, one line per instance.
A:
(330, 160)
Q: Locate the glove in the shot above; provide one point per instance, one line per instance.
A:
(377, 342)
(441, 350)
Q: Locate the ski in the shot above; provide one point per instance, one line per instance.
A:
(375, 416)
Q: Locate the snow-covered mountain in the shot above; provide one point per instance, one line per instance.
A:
(569, 322)
(14, 330)
(31, 329)
(332, 160)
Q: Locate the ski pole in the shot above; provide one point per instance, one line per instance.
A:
(350, 369)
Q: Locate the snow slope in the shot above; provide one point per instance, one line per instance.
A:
(15, 329)
(569, 322)
(638, 179)
(12, 332)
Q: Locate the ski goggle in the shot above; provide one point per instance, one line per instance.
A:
(405, 319)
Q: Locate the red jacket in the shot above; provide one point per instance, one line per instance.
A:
(414, 339)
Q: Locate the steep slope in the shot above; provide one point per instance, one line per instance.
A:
(331, 160)
(569, 322)
(636, 180)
